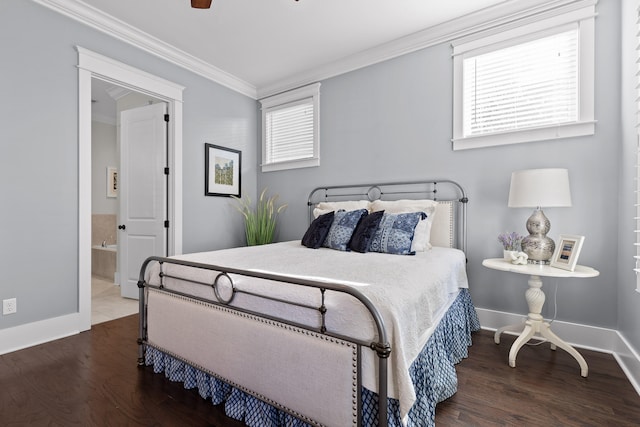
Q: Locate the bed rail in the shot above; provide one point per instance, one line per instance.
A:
(441, 190)
(380, 344)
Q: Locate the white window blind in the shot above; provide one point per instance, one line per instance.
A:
(290, 129)
(637, 205)
(637, 183)
(528, 85)
(289, 132)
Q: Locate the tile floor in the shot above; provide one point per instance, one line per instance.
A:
(106, 302)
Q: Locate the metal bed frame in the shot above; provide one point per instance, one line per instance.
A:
(379, 344)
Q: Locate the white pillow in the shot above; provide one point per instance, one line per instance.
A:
(422, 232)
(348, 205)
(422, 235)
(442, 229)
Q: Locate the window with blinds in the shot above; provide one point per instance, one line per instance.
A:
(524, 86)
(525, 83)
(290, 129)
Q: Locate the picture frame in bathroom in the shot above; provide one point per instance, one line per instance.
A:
(112, 182)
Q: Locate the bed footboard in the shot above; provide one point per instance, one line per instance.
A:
(310, 373)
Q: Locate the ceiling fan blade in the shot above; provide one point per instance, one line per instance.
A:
(201, 4)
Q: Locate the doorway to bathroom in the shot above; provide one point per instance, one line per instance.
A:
(92, 65)
(128, 193)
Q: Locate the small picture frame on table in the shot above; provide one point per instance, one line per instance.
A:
(567, 251)
(222, 171)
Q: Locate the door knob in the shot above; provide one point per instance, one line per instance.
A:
(122, 227)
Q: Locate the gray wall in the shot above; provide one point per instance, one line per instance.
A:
(393, 121)
(38, 165)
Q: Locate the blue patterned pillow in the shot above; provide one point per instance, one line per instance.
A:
(344, 223)
(395, 233)
(366, 229)
(317, 231)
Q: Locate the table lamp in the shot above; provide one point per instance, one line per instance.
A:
(537, 188)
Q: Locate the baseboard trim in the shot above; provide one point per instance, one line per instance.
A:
(31, 334)
(580, 336)
(629, 361)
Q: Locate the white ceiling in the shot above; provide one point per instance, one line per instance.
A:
(263, 42)
(103, 106)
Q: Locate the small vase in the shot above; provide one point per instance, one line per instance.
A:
(507, 254)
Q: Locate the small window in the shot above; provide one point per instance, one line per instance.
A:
(290, 123)
(526, 84)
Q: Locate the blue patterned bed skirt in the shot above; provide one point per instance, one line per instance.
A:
(433, 374)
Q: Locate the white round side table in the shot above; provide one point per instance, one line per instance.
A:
(535, 297)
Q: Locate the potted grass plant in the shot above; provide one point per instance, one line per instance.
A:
(259, 221)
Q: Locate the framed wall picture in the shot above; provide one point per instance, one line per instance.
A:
(112, 182)
(222, 171)
(567, 251)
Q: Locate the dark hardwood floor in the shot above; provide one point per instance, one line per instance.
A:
(545, 389)
(92, 379)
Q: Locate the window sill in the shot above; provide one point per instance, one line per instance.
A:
(539, 134)
(295, 164)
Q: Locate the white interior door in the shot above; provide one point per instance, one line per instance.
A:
(143, 192)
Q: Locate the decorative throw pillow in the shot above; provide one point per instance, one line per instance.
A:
(344, 223)
(422, 235)
(395, 233)
(364, 232)
(318, 230)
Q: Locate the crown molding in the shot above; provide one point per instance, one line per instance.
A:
(503, 15)
(95, 18)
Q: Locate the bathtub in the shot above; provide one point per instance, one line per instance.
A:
(108, 248)
(103, 261)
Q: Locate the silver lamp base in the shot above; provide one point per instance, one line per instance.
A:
(538, 247)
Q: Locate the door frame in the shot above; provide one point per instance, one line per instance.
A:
(93, 65)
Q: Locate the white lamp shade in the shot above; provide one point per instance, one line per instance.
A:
(534, 188)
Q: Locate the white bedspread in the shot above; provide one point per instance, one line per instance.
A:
(409, 292)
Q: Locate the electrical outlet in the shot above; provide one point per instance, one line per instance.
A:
(9, 306)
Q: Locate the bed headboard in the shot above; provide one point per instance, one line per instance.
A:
(449, 227)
